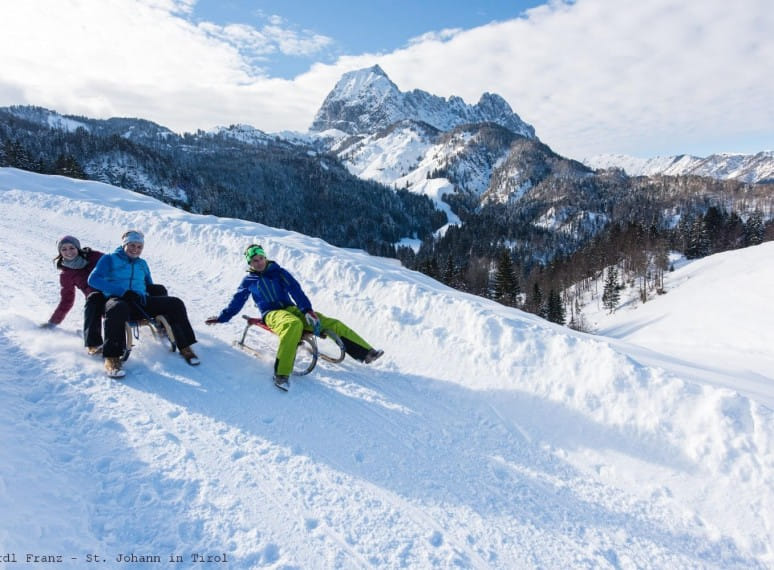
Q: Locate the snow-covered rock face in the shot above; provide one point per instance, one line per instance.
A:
(366, 101)
(483, 160)
(403, 140)
(409, 153)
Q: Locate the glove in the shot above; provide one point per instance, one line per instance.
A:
(133, 297)
(47, 325)
(211, 321)
(313, 320)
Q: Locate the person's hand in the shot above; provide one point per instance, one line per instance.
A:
(211, 321)
(47, 325)
(133, 297)
(313, 320)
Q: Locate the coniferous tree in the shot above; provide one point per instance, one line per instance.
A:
(449, 272)
(661, 262)
(453, 275)
(506, 288)
(68, 166)
(555, 309)
(535, 302)
(733, 232)
(18, 157)
(714, 222)
(611, 294)
(698, 240)
(754, 229)
(430, 268)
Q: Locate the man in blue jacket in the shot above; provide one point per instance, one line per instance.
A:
(125, 280)
(288, 312)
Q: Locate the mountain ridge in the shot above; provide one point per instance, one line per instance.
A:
(751, 168)
(366, 100)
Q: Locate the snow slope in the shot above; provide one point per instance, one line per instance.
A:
(726, 295)
(485, 438)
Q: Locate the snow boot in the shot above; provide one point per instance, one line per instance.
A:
(113, 367)
(282, 382)
(372, 355)
(190, 356)
(94, 350)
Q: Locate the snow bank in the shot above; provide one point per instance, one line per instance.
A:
(484, 438)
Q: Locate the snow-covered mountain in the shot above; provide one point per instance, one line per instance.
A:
(485, 438)
(433, 146)
(749, 168)
(366, 101)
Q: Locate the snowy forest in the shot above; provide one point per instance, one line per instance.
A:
(497, 253)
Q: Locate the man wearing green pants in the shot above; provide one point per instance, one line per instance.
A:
(286, 309)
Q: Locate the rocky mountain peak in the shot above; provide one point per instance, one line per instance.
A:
(366, 101)
(363, 83)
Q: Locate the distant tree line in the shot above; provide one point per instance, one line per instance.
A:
(15, 155)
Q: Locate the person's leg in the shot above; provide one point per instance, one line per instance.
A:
(354, 344)
(175, 312)
(92, 319)
(116, 315)
(288, 327)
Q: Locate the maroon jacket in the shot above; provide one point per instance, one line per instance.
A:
(69, 279)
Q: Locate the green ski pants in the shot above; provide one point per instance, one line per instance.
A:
(289, 324)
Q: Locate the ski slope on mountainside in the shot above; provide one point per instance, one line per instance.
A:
(484, 438)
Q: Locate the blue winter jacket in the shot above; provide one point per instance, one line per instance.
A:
(273, 288)
(117, 273)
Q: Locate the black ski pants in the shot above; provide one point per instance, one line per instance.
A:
(92, 319)
(119, 311)
(93, 310)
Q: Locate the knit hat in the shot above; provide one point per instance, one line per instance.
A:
(132, 236)
(253, 250)
(68, 239)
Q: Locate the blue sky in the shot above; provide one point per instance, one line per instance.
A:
(644, 78)
(352, 28)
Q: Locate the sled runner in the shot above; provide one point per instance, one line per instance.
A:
(158, 326)
(327, 346)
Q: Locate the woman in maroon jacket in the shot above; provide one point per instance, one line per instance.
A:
(75, 265)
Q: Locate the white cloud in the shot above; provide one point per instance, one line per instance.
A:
(293, 43)
(442, 35)
(273, 38)
(602, 75)
(172, 6)
(644, 78)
